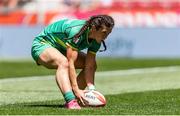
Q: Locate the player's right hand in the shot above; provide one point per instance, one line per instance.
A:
(80, 95)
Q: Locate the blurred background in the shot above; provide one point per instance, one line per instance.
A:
(143, 28)
(139, 73)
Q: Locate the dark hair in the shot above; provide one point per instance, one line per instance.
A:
(97, 21)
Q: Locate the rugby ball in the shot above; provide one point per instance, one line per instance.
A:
(94, 98)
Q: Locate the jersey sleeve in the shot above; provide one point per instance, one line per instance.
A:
(73, 27)
(94, 47)
(71, 32)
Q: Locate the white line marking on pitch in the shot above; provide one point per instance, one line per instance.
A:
(103, 73)
(42, 88)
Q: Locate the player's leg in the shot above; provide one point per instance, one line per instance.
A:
(80, 64)
(53, 59)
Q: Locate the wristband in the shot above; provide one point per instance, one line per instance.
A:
(91, 87)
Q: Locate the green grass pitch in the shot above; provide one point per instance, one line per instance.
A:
(165, 102)
(135, 90)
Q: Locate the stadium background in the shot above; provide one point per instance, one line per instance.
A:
(143, 28)
(138, 74)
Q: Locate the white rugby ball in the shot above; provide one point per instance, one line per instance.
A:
(94, 98)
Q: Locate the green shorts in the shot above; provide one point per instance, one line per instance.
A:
(38, 46)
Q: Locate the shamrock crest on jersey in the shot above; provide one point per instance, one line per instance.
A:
(76, 40)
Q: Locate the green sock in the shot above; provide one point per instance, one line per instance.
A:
(68, 96)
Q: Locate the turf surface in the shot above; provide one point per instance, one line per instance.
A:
(146, 91)
(166, 102)
(36, 89)
(12, 69)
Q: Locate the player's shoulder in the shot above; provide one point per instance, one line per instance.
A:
(73, 26)
(94, 46)
(75, 22)
(71, 21)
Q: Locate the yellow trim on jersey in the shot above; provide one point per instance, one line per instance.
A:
(71, 46)
(61, 43)
(45, 42)
(92, 52)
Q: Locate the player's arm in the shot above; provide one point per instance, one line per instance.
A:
(90, 68)
(90, 64)
(72, 56)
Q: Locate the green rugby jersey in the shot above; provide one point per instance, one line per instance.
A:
(61, 33)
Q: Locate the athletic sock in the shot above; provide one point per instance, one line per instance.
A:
(68, 96)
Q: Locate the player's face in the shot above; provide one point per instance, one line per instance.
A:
(101, 33)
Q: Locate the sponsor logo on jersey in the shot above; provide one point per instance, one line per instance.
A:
(76, 40)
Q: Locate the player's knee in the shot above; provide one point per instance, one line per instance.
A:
(63, 63)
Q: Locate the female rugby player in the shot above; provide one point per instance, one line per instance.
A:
(59, 47)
